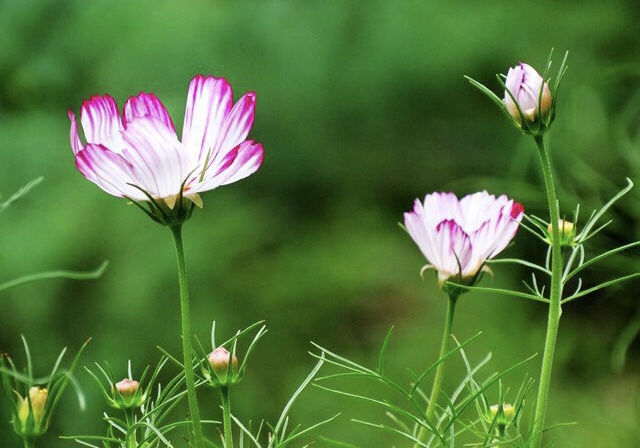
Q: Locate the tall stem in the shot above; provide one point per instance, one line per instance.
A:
(187, 351)
(226, 417)
(555, 296)
(437, 380)
(131, 441)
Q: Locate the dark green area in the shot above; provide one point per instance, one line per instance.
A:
(361, 107)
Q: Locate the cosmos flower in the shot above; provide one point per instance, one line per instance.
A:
(458, 236)
(138, 155)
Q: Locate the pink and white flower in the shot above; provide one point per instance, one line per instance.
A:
(530, 91)
(138, 154)
(458, 236)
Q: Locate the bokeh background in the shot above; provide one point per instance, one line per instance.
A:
(361, 107)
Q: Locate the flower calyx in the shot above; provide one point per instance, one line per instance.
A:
(567, 231)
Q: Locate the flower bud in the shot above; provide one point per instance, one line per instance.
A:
(506, 417)
(567, 232)
(31, 412)
(219, 361)
(526, 89)
(127, 394)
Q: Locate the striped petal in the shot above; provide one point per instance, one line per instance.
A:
(76, 143)
(157, 155)
(146, 104)
(235, 128)
(453, 248)
(208, 104)
(239, 163)
(108, 170)
(101, 122)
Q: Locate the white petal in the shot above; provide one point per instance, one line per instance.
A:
(101, 122)
(108, 170)
(157, 156)
(208, 103)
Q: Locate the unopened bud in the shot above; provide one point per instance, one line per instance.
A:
(507, 416)
(530, 92)
(567, 232)
(30, 416)
(127, 395)
(219, 361)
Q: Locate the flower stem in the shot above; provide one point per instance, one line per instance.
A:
(226, 418)
(187, 351)
(555, 296)
(437, 380)
(131, 441)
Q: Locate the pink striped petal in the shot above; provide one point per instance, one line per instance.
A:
(157, 155)
(441, 206)
(108, 170)
(208, 103)
(236, 126)
(101, 122)
(454, 250)
(146, 104)
(76, 143)
(243, 161)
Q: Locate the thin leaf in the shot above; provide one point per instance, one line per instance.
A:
(73, 275)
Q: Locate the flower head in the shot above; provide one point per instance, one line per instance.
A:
(458, 236)
(527, 95)
(138, 155)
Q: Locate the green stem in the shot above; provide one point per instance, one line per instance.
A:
(187, 351)
(131, 441)
(555, 296)
(29, 442)
(437, 380)
(226, 418)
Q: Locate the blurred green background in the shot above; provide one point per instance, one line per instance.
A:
(361, 107)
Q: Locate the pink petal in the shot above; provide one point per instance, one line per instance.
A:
(454, 250)
(76, 143)
(101, 122)
(156, 155)
(108, 170)
(440, 206)
(236, 126)
(239, 163)
(208, 103)
(146, 104)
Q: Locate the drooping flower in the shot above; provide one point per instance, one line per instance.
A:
(458, 236)
(530, 92)
(138, 155)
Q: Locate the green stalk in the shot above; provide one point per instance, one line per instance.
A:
(226, 418)
(131, 441)
(28, 442)
(555, 296)
(187, 351)
(437, 380)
